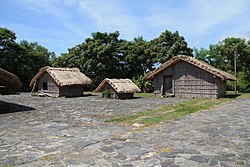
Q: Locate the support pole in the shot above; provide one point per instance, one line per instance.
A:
(235, 82)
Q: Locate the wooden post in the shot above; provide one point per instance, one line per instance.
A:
(173, 87)
(235, 82)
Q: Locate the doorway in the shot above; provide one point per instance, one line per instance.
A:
(168, 84)
(45, 85)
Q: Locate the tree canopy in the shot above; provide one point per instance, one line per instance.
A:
(104, 55)
(221, 55)
(23, 59)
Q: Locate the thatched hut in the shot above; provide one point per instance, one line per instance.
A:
(8, 82)
(67, 82)
(118, 88)
(184, 76)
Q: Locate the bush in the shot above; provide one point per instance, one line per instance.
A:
(106, 93)
(145, 86)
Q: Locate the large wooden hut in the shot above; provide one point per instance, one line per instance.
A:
(8, 82)
(118, 88)
(184, 76)
(67, 82)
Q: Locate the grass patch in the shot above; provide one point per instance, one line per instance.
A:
(145, 95)
(244, 95)
(169, 112)
(47, 158)
(6, 165)
(165, 149)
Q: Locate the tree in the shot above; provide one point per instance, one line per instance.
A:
(145, 86)
(97, 57)
(167, 45)
(23, 59)
(221, 55)
(137, 57)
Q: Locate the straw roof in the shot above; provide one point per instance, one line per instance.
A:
(63, 76)
(119, 85)
(198, 63)
(9, 79)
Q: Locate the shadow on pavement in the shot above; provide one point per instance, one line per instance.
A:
(12, 107)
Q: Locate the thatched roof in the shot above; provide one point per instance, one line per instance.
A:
(119, 85)
(198, 63)
(63, 76)
(9, 79)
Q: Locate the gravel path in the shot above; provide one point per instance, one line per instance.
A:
(72, 132)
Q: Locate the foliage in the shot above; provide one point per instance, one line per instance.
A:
(104, 55)
(221, 55)
(96, 57)
(145, 86)
(22, 59)
(169, 112)
(106, 92)
(167, 45)
(136, 56)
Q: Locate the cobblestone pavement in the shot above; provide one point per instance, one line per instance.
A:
(72, 132)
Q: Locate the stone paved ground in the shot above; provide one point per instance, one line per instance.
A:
(72, 132)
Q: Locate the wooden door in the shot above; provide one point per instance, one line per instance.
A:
(168, 84)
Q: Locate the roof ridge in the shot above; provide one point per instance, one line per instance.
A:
(198, 63)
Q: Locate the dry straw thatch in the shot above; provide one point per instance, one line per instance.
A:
(9, 79)
(63, 76)
(198, 63)
(119, 85)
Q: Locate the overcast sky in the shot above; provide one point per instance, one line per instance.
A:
(62, 24)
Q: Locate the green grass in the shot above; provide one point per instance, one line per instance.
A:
(145, 95)
(244, 95)
(169, 112)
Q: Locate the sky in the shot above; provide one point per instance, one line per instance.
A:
(62, 24)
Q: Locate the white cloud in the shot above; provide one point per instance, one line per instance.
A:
(54, 8)
(198, 21)
(111, 16)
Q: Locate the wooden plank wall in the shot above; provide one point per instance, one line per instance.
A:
(52, 87)
(191, 82)
(71, 91)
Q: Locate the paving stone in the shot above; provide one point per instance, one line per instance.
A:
(188, 164)
(228, 155)
(74, 131)
(167, 155)
(120, 156)
(107, 149)
(167, 163)
(223, 164)
(221, 158)
(240, 163)
(132, 151)
(199, 159)
(178, 151)
(179, 160)
(151, 162)
(127, 165)
(189, 151)
(102, 162)
(213, 163)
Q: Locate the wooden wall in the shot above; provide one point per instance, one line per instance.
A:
(52, 87)
(115, 95)
(71, 91)
(68, 91)
(190, 82)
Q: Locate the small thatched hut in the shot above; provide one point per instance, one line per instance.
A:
(8, 82)
(67, 82)
(119, 88)
(184, 76)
